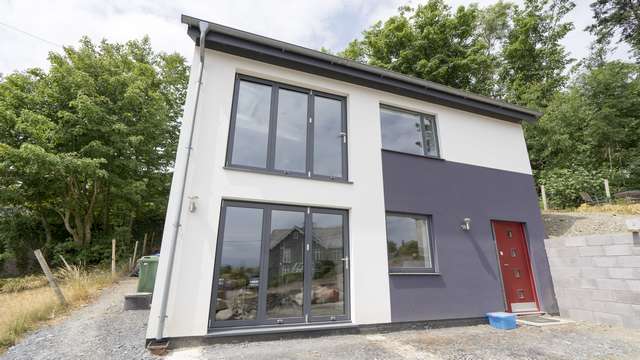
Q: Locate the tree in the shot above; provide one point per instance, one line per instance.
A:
(612, 16)
(430, 42)
(534, 60)
(89, 145)
(592, 128)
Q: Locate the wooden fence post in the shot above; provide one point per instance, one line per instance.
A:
(113, 258)
(544, 198)
(144, 245)
(606, 189)
(49, 275)
(133, 258)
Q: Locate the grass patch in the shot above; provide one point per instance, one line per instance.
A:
(23, 311)
(620, 209)
(10, 285)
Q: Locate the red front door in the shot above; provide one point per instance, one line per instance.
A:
(515, 266)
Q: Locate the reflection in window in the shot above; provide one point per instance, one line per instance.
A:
(252, 125)
(328, 268)
(291, 131)
(286, 264)
(327, 143)
(239, 273)
(408, 243)
(401, 131)
(408, 132)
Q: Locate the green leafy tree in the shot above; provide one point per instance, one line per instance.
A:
(534, 61)
(612, 16)
(430, 42)
(89, 145)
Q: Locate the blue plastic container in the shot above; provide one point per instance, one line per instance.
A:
(502, 320)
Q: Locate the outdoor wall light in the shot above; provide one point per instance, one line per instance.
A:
(466, 224)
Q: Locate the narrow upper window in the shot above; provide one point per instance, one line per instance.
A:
(287, 130)
(409, 244)
(408, 132)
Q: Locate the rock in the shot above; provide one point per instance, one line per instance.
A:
(225, 314)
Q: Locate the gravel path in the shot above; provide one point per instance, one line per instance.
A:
(100, 330)
(574, 224)
(579, 341)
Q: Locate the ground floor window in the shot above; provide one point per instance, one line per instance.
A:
(409, 243)
(280, 264)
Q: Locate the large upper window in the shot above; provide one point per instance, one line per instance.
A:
(408, 132)
(409, 244)
(287, 130)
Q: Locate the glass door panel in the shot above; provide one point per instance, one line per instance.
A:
(280, 264)
(329, 265)
(285, 286)
(239, 270)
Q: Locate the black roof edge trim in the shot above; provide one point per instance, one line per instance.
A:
(256, 47)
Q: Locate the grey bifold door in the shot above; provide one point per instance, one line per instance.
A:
(278, 264)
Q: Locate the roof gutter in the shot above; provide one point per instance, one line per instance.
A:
(203, 27)
(252, 46)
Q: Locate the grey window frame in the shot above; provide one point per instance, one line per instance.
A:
(271, 137)
(422, 117)
(432, 246)
(261, 315)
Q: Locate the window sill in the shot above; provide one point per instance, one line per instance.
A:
(415, 273)
(290, 175)
(414, 155)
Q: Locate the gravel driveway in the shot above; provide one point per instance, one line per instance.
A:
(103, 331)
(100, 330)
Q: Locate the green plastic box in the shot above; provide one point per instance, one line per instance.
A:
(147, 273)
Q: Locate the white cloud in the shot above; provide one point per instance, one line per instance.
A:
(329, 23)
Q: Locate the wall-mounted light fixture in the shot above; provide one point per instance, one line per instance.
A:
(466, 224)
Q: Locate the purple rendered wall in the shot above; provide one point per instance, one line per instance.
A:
(469, 283)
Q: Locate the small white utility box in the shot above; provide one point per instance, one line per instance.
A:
(633, 225)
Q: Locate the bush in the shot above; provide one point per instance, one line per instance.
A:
(563, 186)
(94, 254)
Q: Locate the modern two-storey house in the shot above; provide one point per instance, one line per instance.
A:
(313, 192)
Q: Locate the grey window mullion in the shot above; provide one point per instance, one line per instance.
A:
(264, 265)
(310, 133)
(307, 266)
(273, 124)
(345, 142)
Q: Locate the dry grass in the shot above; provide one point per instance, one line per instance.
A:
(10, 285)
(25, 310)
(619, 209)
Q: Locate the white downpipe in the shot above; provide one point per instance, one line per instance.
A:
(171, 246)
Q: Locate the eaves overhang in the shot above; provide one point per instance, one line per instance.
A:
(264, 49)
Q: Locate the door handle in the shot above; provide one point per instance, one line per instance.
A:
(346, 262)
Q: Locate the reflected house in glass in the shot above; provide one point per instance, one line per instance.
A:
(328, 194)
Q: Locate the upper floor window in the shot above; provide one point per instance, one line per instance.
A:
(287, 130)
(408, 132)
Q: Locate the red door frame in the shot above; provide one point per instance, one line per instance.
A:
(527, 259)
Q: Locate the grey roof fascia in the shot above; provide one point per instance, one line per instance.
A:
(241, 43)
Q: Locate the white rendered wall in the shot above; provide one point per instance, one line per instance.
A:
(464, 137)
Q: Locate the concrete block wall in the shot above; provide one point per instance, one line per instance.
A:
(597, 277)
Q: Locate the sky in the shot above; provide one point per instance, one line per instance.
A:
(313, 24)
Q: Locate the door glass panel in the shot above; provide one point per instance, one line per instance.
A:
(291, 131)
(327, 287)
(327, 146)
(251, 125)
(239, 272)
(286, 254)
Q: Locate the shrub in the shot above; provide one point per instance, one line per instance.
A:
(563, 186)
